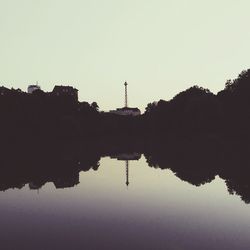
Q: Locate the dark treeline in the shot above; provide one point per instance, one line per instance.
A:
(198, 111)
(193, 112)
(44, 114)
(196, 161)
(197, 134)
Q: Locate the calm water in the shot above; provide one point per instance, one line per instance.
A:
(156, 210)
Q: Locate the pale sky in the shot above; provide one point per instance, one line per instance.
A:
(160, 47)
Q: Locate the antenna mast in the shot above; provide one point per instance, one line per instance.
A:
(127, 173)
(126, 94)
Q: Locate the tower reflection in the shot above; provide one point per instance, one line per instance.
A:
(126, 157)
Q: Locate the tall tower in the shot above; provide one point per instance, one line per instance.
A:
(127, 173)
(126, 94)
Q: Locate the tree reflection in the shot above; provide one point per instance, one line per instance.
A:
(196, 160)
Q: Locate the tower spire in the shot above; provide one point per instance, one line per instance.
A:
(127, 173)
(126, 94)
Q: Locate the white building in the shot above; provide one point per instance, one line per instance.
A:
(32, 88)
(126, 111)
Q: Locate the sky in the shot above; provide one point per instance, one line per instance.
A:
(160, 47)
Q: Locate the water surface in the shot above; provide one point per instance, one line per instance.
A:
(156, 210)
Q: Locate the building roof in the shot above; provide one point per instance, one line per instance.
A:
(60, 88)
(128, 109)
(4, 88)
(34, 86)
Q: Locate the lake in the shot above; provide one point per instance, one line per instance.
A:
(119, 206)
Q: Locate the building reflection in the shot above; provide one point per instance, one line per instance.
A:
(126, 157)
(61, 165)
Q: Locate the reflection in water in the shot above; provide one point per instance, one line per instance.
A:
(127, 157)
(158, 211)
(127, 173)
(176, 199)
(64, 170)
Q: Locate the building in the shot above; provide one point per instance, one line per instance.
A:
(126, 156)
(126, 110)
(32, 88)
(10, 92)
(66, 91)
(4, 91)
